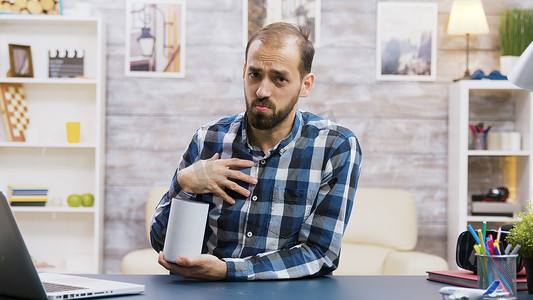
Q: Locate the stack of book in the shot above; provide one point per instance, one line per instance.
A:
(27, 195)
(468, 279)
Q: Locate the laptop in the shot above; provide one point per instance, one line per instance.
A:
(19, 277)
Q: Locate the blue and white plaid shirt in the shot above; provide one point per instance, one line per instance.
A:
(292, 224)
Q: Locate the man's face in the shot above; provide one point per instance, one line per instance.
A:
(272, 84)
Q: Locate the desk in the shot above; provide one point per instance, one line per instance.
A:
(329, 287)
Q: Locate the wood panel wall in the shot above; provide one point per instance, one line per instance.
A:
(402, 126)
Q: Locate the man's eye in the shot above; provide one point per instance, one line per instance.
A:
(281, 79)
(254, 75)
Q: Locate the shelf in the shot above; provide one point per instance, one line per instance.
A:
(46, 145)
(73, 81)
(40, 209)
(489, 85)
(497, 153)
(490, 219)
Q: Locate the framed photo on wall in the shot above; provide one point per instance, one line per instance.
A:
(155, 38)
(406, 43)
(20, 61)
(259, 13)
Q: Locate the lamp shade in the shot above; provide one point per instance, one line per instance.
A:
(522, 73)
(467, 17)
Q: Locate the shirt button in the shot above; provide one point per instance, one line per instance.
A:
(254, 198)
(249, 234)
(262, 162)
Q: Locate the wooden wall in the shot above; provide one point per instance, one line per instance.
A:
(402, 126)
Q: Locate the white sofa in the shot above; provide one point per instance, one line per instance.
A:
(379, 239)
(381, 235)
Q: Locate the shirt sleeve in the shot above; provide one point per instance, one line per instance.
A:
(158, 228)
(321, 233)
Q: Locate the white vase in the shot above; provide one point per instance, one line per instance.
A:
(506, 64)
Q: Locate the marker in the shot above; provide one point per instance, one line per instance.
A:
(515, 250)
(490, 247)
(507, 249)
(496, 250)
(473, 233)
(476, 248)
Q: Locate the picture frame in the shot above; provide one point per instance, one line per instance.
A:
(406, 42)
(155, 38)
(304, 13)
(20, 61)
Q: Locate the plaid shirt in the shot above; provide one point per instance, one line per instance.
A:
(292, 223)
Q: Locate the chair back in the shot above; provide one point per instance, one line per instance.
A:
(154, 196)
(383, 217)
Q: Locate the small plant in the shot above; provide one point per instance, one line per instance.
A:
(522, 234)
(516, 31)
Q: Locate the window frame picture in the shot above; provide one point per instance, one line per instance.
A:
(20, 57)
(151, 18)
(405, 31)
(299, 12)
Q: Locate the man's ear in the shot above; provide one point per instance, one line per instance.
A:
(307, 85)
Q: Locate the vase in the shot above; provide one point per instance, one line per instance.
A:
(506, 64)
(528, 264)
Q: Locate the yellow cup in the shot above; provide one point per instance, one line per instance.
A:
(73, 132)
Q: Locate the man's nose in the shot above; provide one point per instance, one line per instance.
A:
(265, 89)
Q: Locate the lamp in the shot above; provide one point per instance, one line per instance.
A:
(522, 73)
(467, 17)
(146, 41)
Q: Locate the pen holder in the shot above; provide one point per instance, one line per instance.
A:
(498, 267)
(480, 141)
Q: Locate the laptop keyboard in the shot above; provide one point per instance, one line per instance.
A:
(53, 287)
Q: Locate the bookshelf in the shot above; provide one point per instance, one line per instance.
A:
(69, 239)
(474, 172)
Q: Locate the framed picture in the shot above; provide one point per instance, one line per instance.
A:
(259, 13)
(20, 61)
(155, 38)
(406, 43)
(34, 7)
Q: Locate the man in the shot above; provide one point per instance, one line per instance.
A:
(280, 183)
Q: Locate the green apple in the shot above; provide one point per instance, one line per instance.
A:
(87, 200)
(74, 200)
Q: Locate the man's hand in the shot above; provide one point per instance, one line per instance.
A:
(209, 176)
(203, 267)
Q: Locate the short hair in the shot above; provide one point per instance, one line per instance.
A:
(277, 33)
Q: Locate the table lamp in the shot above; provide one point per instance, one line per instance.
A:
(522, 73)
(467, 17)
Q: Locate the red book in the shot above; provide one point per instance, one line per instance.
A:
(467, 278)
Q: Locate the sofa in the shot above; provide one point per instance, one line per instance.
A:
(379, 240)
(382, 234)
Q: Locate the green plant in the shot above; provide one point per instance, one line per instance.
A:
(516, 31)
(522, 234)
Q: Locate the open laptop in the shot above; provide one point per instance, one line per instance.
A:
(19, 278)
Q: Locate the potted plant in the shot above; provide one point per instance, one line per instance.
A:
(522, 234)
(516, 32)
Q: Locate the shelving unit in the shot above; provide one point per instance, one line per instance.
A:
(70, 239)
(472, 172)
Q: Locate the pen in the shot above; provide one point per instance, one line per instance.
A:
(496, 250)
(482, 243)
(484, 229)
(473, 233)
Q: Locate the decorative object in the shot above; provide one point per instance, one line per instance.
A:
(522, 234)
(516, 32)
(73, 132)
(304, 13)
(155, 38)
(406, 41)
(33, 7)
(467, 17)
(65, 63)
(20, 61)
(522, 73)
(14, 111)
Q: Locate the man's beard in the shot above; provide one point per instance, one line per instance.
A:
(264, 121)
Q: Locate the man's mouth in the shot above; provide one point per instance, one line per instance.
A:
(262, 108)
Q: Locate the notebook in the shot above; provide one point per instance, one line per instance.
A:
(19, 277)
